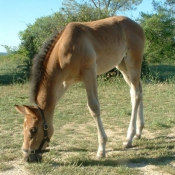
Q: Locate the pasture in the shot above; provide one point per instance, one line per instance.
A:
(74, 143)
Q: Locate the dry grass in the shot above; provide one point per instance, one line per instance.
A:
(74, 144)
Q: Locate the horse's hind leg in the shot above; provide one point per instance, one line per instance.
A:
(132, 77)
(140, 118)
(137, 112)
(90, 82)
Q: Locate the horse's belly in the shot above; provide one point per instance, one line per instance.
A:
(107, 63)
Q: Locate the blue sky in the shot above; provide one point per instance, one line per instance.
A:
(16, 14)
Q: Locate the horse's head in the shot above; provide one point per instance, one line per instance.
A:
(36, 133)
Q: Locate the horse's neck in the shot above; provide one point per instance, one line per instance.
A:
(47, 94)
(44, 99)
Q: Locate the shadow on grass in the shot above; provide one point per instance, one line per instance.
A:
(130, 162)
(163, 72)
(10, 78)
(73, 150)
(158, 151)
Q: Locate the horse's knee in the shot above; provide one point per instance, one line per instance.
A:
(136, 96)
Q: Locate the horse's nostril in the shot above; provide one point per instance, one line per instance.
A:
(28, 159)
(33, 158)
(25, 159)
(39, 158)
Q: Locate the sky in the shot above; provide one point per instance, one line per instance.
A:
(16, 14)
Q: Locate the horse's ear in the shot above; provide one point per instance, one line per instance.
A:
(26, 109)
(20, 109)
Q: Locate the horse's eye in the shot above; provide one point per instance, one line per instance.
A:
(33, 130)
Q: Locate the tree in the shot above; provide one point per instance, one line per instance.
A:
(35, 35)
(159, 31)
(167, 4)
(110, 7)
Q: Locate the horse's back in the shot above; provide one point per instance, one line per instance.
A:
(104, 42)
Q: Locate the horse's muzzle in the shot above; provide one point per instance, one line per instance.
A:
(32, 158)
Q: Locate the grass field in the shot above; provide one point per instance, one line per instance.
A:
(11, 70)
(74, 144)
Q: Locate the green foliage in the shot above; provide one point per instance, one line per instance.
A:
(110, 7)
(13, 66)
(12, 69)
(15, 53)
(160, 31)
(85, 13)
(36, 34)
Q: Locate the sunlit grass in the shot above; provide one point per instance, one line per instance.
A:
(74, 144)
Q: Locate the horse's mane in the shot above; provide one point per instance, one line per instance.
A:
(38, 71)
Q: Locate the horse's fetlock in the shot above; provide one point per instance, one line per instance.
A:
(100, 155)
(101, 152)
(127, 144)
(142, 126)
(137, 137)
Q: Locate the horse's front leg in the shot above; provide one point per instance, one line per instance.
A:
(102, 137)
(89, 79)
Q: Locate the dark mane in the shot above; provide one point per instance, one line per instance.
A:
(38, 69)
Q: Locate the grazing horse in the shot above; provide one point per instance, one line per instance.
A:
(79, 53)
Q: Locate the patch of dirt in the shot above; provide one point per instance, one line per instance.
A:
(17, 168)
(172, 134)
(148, 134)
(147, 169)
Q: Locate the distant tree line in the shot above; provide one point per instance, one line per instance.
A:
(158, 27)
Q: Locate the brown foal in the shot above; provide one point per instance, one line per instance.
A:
(79, 53)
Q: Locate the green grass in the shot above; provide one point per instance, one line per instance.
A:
(161, 73)
(74, 144)
(11, 70)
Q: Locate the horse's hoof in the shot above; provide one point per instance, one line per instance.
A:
(137, 137)
(100, 155)
(127, 145)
